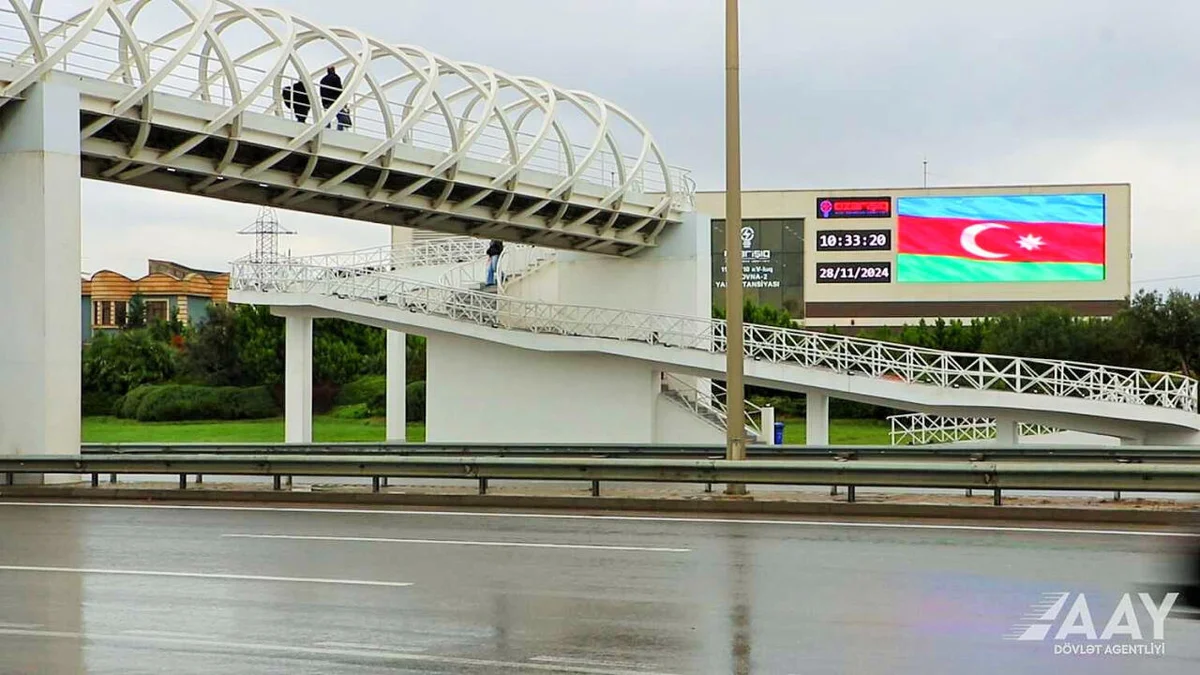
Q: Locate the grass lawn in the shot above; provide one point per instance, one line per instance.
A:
(329, 429)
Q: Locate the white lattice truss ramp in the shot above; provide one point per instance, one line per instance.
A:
(926, 429)
(836, 353)
(194, 89)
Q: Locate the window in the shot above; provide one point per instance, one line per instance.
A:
(157, 310)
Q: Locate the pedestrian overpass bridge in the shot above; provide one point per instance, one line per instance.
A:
(197, 108)
(187, 96)
(433, 289)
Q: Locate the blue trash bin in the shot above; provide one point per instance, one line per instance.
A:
(779, 433)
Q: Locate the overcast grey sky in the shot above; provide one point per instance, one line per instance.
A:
(836, 93)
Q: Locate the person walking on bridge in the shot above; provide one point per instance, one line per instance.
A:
(493, 253)
(331, 89)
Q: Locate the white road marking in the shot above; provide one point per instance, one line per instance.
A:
(649, 519)
(20, 625)
(201, 575)
(296, 650)
(586, 662)
(376, 648)
(448, 542)
(170, 634)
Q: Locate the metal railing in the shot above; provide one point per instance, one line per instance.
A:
(1027, 452)
(924, 429)
(992, 476)
(838, 353)
(477, 121)
(712, 402)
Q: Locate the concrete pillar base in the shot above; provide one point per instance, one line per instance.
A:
(39, 273)
(816, 418)
(397, 380)
(298, 378)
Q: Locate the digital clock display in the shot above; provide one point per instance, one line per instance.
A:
(854, 240)
(854, 273)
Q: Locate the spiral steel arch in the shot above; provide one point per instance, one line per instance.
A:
(558, 166)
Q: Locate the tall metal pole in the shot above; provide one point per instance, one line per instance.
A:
(735, 440)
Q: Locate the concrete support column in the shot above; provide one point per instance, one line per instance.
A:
(816, 411)
(39, 273)
(298, 378)
(397, 380)
(767, 424)
(1008, 431)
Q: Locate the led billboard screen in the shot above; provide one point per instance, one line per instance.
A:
(1023, 238)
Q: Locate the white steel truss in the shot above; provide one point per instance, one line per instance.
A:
(432, 143)
(842, 354)
(926, 429)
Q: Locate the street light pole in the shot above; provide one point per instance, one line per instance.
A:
(735, 404)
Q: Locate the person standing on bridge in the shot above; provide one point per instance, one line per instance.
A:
(295, 97)
(493, 252)
(331, 89)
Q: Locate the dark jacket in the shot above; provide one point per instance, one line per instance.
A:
(296, 96)
(331, 88)
(495, 248)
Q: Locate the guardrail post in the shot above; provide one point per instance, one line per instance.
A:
(199, 479)
(996, 500)
(833, 491)
(112, 478)
(850, 496)
(277, 482)
(708, 487)
(183, 481)
(9, 478)
(95, 480)
(374, 483)
(384, 482)
(595, 488)
(483, 486)
(1117, 496)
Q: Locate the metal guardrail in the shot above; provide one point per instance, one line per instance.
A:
(1016, 475)
(682, 451)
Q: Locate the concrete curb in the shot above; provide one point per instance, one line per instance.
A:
(624, 504)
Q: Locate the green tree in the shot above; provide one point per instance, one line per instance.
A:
(212, 355)
(135, 317)
(1170, 324)
(114, 364)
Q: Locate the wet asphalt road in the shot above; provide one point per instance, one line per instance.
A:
(112, 589)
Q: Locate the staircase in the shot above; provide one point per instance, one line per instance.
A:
(710, 406)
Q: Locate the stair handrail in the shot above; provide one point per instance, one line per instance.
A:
(838, 353)
(713, 400)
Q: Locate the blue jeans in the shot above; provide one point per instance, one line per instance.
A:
(491, 269)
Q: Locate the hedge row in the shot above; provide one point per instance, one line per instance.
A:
(179, 402)
(367, 397)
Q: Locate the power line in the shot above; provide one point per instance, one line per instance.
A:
(1179, 278)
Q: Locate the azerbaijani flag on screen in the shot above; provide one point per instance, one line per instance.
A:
(1043, 238)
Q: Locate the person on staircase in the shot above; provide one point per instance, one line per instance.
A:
(493, 253)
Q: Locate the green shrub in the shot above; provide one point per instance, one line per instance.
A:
(99, 403)
(414, 402)
(357, 411)
(370, 391)
(177, 403)
(133, 400)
